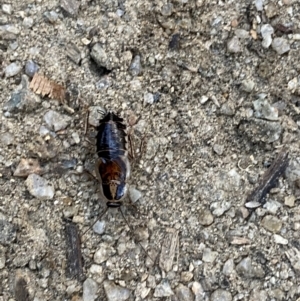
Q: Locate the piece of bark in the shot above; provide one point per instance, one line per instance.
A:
(74, 268)
(168, 250)
(268, 180)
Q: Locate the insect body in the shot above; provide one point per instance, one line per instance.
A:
(112, 167)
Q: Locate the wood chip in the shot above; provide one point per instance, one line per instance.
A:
(74, 268)
(168, 250)
(268, 180)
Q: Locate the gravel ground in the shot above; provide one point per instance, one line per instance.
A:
(210, 92)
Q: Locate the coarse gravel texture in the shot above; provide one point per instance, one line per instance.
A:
(210, 91)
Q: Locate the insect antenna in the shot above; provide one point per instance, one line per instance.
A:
(98, 218)
(131, 230)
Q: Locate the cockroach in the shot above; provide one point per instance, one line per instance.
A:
(112, 167)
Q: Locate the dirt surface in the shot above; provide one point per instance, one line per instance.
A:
(210, 93)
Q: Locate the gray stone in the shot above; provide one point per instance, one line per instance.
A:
(281, 45)
(163, 289)
(280, 240)
(271, 223)
(22, 99)
(12, 69)
(228, 267)
(7, 8)
(233, 45)
(258, 295)
(39, 187)
(103, 253)
(247, 270)
(293, 254)
(6, 138)
(70, 7)
(259, 5)
(99, 227)
(135, 67)
(266, 31)
(2, 257)
(7, 231)
(31, 68)
(148, 98)
(198, 291)
(221, 295)
(51, 16)
(134, 194)
(99, 55)
(264, 110)
(209, 255)
(56, 121)
(183, 293)
(205, 217)
(115, 293)
(89, 290)
(247, 85)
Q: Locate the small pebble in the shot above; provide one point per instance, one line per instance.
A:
(280, 240)
(134, 194)
(115, 292)
(39, 187)
(271, 10)
(247, 85)
(205, 217)
(31, 68)
(233, 45)
(244, 268)
(51, 16)
(183, 293)
(12, 70)
(28, 22)
(266, 32)
(186, 276)
(70, 6)
(228, 267)
(148, 98)
(8, 231)
(96, 269)
(259, 5)
(56, 121)
(89, 290)
(95, 114)
(6, 138)
(2, 257)
(264, 110)
(290, 201)
(104, 83)
(99, 227)
(271, 223)
(135, 67)
(7, 9)
(198, 291)
(209, 255)
(27, 167)
(163, 289)
(76, 137)
(218, 149)
(103, 253)
(281, 45)
(99, 55)
(221, 295)
(219, 209)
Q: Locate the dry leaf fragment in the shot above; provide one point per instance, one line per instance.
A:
(43, 86)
